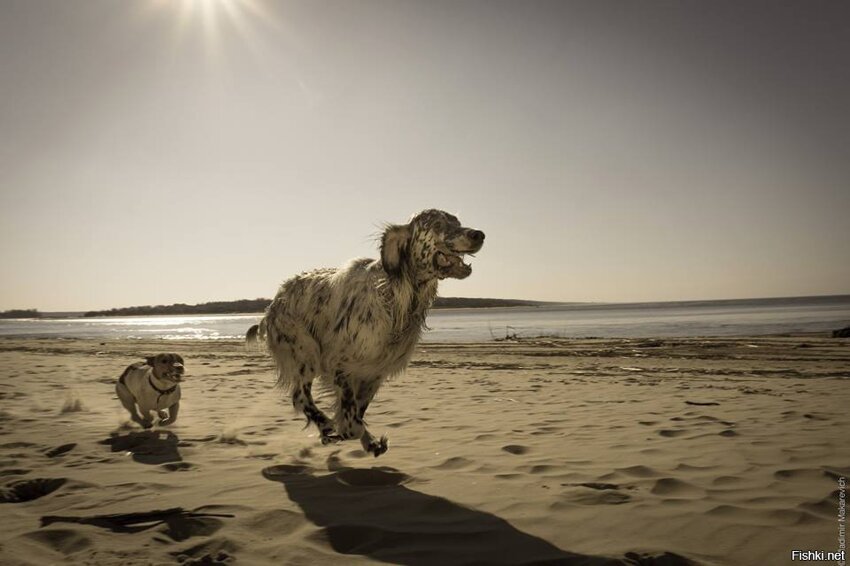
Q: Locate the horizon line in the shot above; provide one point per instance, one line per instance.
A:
(543, 302)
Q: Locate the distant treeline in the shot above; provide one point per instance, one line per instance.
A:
(21, 313)
(215, 307)
(465, 303)
(259, 305)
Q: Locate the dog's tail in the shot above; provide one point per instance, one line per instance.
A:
(256, 335)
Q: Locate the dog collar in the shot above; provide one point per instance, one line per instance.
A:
(161, 391)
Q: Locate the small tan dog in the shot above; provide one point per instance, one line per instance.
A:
(150, 389)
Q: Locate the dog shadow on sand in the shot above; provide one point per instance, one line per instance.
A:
(152, 447)
(370, 512)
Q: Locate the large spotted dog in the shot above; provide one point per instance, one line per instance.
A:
(358, 325)
(150, 389)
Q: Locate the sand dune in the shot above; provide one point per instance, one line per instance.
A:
(695, 451)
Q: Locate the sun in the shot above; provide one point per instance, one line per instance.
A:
(215, 20)
(212, 14)
(208, 11)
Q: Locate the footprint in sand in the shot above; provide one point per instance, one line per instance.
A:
(265, 456)
(801, 474)
(601, 494)
(59, 450)
(355, 477)
(175, 523)
(599, 485)
(815, 417)
(373, 477)
(14, 472)
(178, 466)
(454, 463)
(517, 449)
(28, 490)
(63, 541)
(18, 445)
(639, 471)
(824, 507)
(672, 487)
(727, 481)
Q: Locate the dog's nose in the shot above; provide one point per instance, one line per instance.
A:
(476, 236)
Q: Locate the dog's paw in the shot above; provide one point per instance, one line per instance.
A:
(349, 435)
(377, 447)
(331, 438)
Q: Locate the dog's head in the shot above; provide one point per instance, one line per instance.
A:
(430, 246)
(167, 366)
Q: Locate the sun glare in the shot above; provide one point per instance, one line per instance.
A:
(216, 19)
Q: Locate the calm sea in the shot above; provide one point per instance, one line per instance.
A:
(680, 319)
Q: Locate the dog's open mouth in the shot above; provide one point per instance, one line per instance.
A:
(174, 375)
(451, 265)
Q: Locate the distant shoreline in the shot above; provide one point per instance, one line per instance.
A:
(258, 306)
(81, 315)
(245, 306)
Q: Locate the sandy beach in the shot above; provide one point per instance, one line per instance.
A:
(593, 451)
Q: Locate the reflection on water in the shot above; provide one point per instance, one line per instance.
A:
(709, 318)
(201, 327)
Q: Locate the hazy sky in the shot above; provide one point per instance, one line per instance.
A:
(160, 151)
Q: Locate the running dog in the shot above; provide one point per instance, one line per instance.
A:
(358, 325)
(150, 389)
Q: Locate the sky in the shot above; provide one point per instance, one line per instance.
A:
(163, 151)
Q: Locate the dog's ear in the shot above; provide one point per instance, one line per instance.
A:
(395, 246)
(150, 360)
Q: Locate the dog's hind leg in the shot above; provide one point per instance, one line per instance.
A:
(297, 356)
(129, 403)
(302, 400)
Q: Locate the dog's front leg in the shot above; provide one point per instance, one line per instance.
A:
(349, 425)
(172, 413)
(145, 421)
(129, 403)
(365, 394)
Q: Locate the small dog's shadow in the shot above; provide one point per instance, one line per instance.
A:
(148, 446)
(369, 512)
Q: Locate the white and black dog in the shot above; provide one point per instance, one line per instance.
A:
(151, 389)
(357, 325)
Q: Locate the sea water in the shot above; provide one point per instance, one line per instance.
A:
(676, 319)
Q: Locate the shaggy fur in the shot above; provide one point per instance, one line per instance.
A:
(358, 325)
